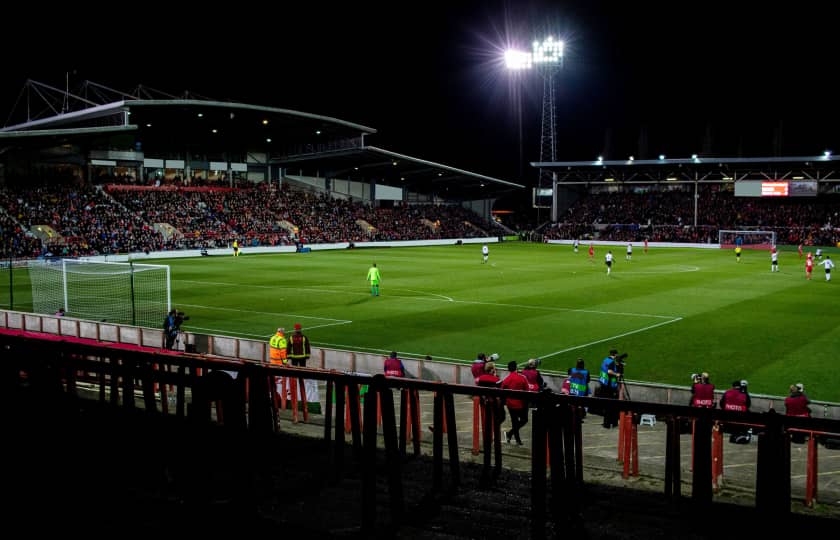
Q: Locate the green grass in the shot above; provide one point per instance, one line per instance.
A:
(675, 311)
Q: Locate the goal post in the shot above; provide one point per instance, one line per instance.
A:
(746, 239)
(125, 293)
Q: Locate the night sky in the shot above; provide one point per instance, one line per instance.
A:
(640, 78)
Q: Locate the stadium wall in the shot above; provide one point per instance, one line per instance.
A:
(349, 361)
(187, 253)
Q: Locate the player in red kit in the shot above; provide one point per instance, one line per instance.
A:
(809, 265)
(645, 244)
(800, 251)
(591, 253)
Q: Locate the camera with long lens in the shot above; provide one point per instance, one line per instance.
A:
(695, 378)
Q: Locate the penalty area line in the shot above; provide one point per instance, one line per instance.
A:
(646, 328)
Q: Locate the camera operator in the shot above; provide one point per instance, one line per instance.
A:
(611, 371)
(172, 326)
(702, 392)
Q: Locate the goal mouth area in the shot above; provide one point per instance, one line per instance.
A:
(764, 246)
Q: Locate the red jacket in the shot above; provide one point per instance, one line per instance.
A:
(394, 367)
(515, 381)
(734, 400)
(704, 396)
(797, 405)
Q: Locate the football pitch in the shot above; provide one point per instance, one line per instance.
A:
(674, 311)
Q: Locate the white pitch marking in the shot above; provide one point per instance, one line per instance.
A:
(612, 337)
(433, 294)
(472, 302)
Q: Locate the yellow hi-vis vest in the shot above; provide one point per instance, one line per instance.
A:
(277, 354)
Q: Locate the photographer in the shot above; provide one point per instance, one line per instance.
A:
(737, 399)
(611, 371)
(702, 392)
(533, 375)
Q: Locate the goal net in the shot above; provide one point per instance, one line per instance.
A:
(125, 293)
(746, 239)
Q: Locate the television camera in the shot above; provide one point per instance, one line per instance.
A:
(620, 362)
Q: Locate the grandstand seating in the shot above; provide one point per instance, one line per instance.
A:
(125, 218)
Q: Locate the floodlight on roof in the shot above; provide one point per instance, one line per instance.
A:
(827, 154)
(268, 140)
(631, 158)
(200, 115)
(661, 157)
(215, 130)
(318, 132)
(517, 59)
(600, 158)
(265, 122)
(693, 156)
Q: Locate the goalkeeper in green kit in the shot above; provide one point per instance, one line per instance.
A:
(374, 278)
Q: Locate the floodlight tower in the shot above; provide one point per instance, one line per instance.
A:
(547, 57)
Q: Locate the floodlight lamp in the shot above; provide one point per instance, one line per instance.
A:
(632, 158)
(215, 131)
(516, 60)
(827, 154)
(318, 132)
(548, 52)
(661, 157)
(600, 158)
(693, 156)
(265, 122)
(268, 140)
(201, 115)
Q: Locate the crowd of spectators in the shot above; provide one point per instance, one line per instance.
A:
(668, 216)
(97, 220)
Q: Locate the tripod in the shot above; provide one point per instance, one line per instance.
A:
(623, 391)
(180, 343)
